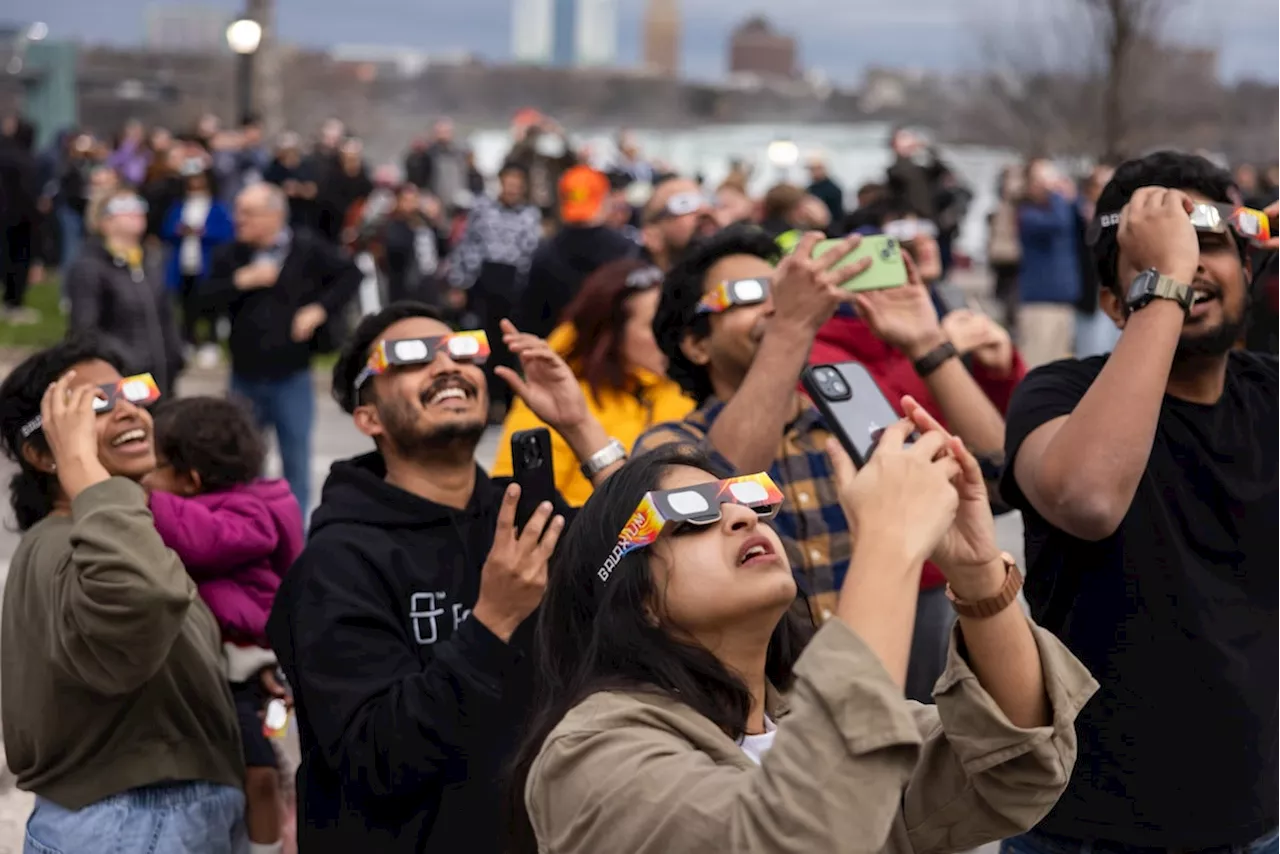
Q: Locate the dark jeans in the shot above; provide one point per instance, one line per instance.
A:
(288, 405)
(930, 641)
(1039, 842)
(193, 311)
(15, 262)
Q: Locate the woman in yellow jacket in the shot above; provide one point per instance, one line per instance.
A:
(606, 336)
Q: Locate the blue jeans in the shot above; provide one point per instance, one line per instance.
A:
(71, 227)
(194, 818)
(1039, 842)
(289, 406)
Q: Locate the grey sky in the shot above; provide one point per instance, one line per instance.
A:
(840, 38)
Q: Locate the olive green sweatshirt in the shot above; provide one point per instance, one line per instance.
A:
(110, 665)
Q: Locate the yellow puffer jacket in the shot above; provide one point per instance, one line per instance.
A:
(625, 415)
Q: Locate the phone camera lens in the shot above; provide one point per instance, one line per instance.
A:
(838, 388)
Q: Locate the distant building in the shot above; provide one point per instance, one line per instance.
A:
(531, 31)
(183, 28)
(565, 33)
(662, 37)
(596, 33)
(756, 48)
(397, 61)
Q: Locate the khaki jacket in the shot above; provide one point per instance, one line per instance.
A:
(854, 767)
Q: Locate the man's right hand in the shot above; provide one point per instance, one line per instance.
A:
(806, 290)
(1156, 231)
(515, 572)
(259, 274)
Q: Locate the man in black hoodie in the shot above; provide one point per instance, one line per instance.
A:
(402, 627)
(562, 262)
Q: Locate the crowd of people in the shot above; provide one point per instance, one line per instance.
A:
(716, 632)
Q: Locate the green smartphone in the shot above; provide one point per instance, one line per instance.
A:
(887, 268)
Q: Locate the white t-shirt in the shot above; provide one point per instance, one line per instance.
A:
(195, 211)
(756, 746)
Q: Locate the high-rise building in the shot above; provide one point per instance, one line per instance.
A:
(565, 32)
(662, 37)
(186, 27)
(531, 32)
(596, 36)
(757, 48)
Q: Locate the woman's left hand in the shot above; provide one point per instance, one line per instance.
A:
(968, 553)
(549, 386)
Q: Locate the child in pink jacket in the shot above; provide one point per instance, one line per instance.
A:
(237, 536)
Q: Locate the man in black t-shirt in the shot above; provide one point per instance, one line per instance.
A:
(1148, 484)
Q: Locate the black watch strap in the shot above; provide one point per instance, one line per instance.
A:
(935, 358)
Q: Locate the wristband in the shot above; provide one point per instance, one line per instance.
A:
(611, 453)
(935, 358)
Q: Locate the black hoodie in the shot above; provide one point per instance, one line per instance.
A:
(407, 709)
(559, 266)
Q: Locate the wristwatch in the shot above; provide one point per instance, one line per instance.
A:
(1150, 285)
(992, 605)
(611, 453)
(935, 358)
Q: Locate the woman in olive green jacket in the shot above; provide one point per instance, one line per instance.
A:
(660, 731)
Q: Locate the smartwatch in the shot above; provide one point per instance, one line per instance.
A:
(1150, 285)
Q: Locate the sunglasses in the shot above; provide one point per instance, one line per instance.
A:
(644, 278)
(125, 205)
(737, 292)
(471, 346)
(907, 230)
(1211, 218)
(139, 389)
(681, 204)
(698, 506)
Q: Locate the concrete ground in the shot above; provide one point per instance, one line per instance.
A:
(335, 438)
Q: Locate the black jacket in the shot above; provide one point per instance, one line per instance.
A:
(559, 266)
(407, 708)
(133, 313)
(262, 347)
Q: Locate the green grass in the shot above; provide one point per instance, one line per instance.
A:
(43, 297)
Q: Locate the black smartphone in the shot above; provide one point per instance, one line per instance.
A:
(855, 409)
(531, 464)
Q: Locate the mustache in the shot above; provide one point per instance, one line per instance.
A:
(448, 381)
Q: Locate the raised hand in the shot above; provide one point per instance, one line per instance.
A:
(1156, 231)
(806, 290)
(69, 424)
(515, 572)
(903, 317)
(549, 386)
(903, 499)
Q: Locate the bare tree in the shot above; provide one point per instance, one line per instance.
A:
(1061, 75)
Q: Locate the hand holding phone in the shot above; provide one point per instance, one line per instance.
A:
(886, 268)
(854, 408)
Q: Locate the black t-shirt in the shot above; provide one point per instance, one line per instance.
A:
(1175, 616)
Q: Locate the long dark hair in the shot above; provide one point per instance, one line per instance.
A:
(599, 317)
(32, 491)
(594, 637)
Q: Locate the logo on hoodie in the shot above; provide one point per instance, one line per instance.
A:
(424, 608)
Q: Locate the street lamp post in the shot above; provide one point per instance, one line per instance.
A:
(243, 37)
(783, 154)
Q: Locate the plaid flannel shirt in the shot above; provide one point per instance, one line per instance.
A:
(811, 524)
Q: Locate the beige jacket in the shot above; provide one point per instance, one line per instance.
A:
(854, 766)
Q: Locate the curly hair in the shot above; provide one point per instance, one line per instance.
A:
(32, 491)
(682, 289)
(212, 436)
(1162, 169)
(355, 354)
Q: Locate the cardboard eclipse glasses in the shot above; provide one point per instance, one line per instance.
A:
(728, 294)
(1213, 218)
(691, 505)
(139, 389)
(471, 346)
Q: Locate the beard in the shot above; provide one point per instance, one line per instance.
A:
(451, 439)
(1217, 341)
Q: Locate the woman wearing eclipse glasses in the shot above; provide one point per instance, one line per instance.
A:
(116, 710)
(667, 633)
